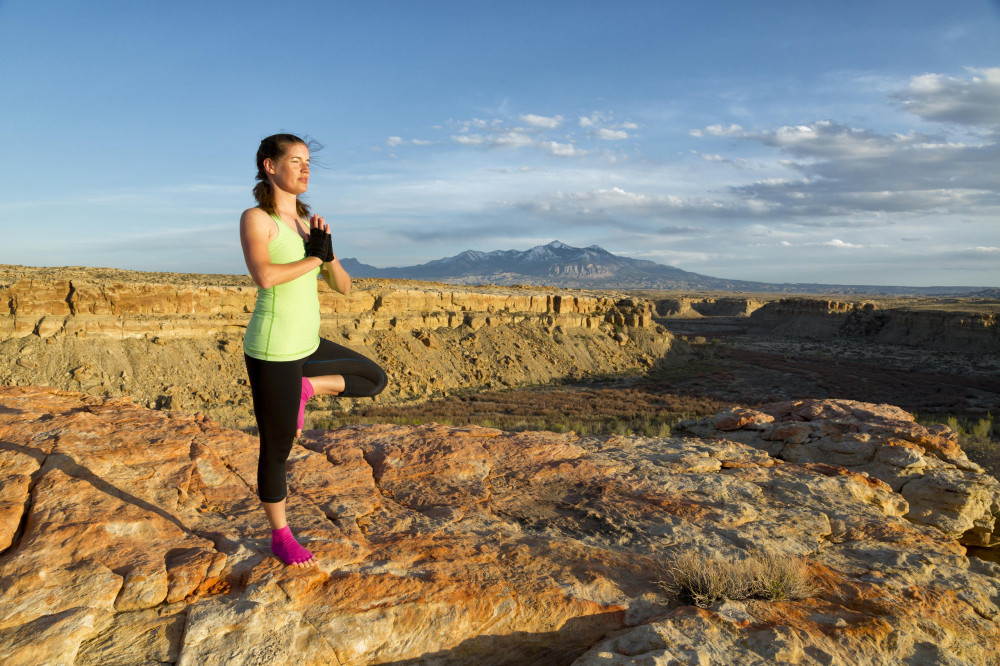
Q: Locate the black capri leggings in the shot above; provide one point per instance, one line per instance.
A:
(276, 387)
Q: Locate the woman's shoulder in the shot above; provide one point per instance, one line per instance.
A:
(255, 216)
(255, 213)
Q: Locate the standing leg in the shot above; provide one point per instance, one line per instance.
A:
(275, 387)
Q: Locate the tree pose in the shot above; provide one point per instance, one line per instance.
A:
(285, 247)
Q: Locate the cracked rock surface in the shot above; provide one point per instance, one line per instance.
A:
(925, 465)
(135, 536)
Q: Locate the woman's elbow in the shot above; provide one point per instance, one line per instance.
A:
(262, 280)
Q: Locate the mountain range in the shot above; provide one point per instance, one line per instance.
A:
(559, 265)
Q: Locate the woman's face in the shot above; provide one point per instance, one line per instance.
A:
(290, 172)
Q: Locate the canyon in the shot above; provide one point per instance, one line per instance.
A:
(173, 341)
(177, 344)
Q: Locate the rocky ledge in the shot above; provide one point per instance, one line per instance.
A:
(926, 466)
(134, 536)
(175, 341)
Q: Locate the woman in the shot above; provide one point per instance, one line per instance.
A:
(287, 361)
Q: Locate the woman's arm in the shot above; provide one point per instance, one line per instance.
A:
(335, 276)
(255, 229)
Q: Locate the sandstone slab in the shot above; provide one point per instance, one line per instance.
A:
(141, 540)
(925, 465)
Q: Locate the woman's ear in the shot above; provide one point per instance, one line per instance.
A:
(268, 166)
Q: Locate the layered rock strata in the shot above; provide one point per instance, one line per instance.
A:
(179, 346)
(937, 329)
(723, 306)
(134, 536)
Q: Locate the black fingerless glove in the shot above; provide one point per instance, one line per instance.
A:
(329, 256)
(317, 243)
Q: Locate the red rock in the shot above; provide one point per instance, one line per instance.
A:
(143, 541)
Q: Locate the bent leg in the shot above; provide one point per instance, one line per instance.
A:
(328, 384)
(362, 377)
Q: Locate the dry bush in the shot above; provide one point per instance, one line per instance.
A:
(702, 580)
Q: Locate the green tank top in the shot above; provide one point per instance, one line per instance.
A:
(285, 321)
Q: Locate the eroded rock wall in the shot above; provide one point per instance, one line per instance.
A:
(689, 307)
(179, 346)
(937, 329)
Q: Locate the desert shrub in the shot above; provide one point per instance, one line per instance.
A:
(978, 437)
(972, 434)
(702, 580)
(982, 429)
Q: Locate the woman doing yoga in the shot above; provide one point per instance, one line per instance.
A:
(285, 248)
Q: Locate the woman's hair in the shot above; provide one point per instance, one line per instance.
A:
(274, 147)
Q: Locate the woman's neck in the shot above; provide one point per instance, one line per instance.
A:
(285, 204)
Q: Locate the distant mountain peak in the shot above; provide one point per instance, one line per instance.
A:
(561, 265)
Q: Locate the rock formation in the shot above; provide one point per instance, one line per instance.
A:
(178, 345)
(928, 327)
(709, 306)
(135, 536)
(943, 488)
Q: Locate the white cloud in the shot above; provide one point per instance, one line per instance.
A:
(469, 139)
(512, 138)
(718, 130)
(541, 121)
(594, 119)
(394, 141)
(826, 139)
(610, 135)
(561, 149)
(970, 101)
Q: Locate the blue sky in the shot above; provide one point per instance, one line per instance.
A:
(838, 142)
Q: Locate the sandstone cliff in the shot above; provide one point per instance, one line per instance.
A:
(134, 536)
(178, 345)
(709, 306)
(965, 328)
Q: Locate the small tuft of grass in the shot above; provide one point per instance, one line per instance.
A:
(700, 580)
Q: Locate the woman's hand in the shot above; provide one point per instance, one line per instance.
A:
(320, 243)
(318, 222)
(331, 270)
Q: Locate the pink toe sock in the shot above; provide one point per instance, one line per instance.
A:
(307, 392)
(284, 545)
